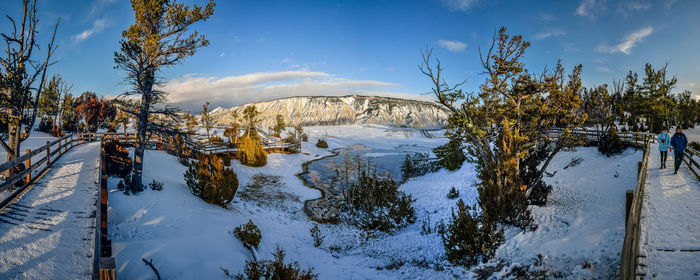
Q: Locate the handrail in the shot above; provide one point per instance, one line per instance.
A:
(630, 245)
(693, 165)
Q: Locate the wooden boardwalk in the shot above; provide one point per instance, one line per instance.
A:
(49, 232)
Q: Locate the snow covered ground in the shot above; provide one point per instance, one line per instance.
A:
(49, 233)
(579, 233)
(670, 236)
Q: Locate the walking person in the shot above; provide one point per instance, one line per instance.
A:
(678, 144)
(664, 145)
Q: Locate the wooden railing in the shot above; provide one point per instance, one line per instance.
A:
(50, 152)
(691, 159)
(630, 245)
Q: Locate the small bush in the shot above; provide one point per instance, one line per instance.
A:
(304, 137)
(375, 203)
(249, 234)
(322, 144)
(208, 179)
(426, 228)
(469, 238)
(316, 235)
(251, 152)
(418, 164)
(611, 144)
(155, 185)
(117, 160)
(45, 125)
(454, 193)
(275, 269)
(450, 155)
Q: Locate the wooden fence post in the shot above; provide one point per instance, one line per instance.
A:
(639, 169)
(60, 147)
(48, 153)
(29, 166)
(628, 204)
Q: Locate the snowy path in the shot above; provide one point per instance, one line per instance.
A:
(49, 233)
(670, 236)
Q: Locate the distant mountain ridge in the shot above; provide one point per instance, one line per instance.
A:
(341, 110)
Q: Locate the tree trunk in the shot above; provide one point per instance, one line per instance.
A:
(137, 171)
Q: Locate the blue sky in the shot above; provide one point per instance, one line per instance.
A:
(267, 49)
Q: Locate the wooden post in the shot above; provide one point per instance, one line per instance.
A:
(60, 147)
(29, 166)
(639, 169)
(48, 153)
(628, 204)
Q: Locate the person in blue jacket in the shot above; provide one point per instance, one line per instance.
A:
(664, 144)
(678, 144)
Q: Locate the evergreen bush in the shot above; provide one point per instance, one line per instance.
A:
(117, 160)
(208, 179)
(251, 153)
(469, 238)
(155, 185)
(454, 193)
(611, 144)
(418, 164)
(450, 155)
(375, 203)
(275, 269)
(322, 144)
(249, 234)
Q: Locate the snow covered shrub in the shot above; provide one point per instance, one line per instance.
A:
(454, 193)
(316, 235)
(266, 190)
(375, 203)
(469, 238)
(695, 145)
(251, 153)
(249, 234)
(155, 185)
(450, 155)
(304, 137)
(426, 228)
(611, 144)
(117, 160)
(275, 269)
(322, 144)
(208, 179)
(418, 164)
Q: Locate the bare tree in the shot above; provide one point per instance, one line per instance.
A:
(19, 73)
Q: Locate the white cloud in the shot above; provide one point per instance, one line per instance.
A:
(638, 5)
(455, 46)
(584, 8)
(628, 42)
(460, 5)
(552, 32)
(669, 3)
(590, 8)
(97, 26)
(190, 92)
(603, 69)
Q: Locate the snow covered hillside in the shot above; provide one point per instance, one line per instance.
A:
(579, 232)
(330, 110)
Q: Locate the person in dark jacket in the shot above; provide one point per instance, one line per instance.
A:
(678, 144)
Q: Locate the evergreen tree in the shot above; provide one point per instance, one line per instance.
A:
(160, 36)
(279, 126)
(450, 155)
(251, 153)
(251, 116)
(206, 120)
(515, 111)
